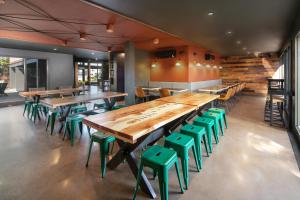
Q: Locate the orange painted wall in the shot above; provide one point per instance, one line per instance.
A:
(166, 71)
(202, 73)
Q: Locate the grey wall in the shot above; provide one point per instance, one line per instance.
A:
(60, 66)
(142, 70)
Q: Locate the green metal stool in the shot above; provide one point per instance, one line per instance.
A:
(182, 144)
(104, 142)
(52, 115)
(100, 106)
(220, 111)
(118, 107)
(78, 109)
(218, 122)
(36, 108)
(27, 107)
(73, 120)
(159, 159)
(208, 124)
(199, 135)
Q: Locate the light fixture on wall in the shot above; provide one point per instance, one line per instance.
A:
(207, 66)
(178, 64)
(82, 36)
(65, 43)
(215, 67)
(198, 64)
(153, 65)
(156, 41)
(55, 49)
(110, 28)
(220, 67)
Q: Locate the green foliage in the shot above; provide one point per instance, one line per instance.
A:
(4, 65)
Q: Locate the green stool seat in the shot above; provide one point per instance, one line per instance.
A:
(78, 109)
(73, 120)
(217, 118)
(182, 144)
(208, 124)
(104, 142)
(199, 135)
(52, 115)
(159, 159)
(220, 111)
(118, 107)
(27, 107)
(100, 106)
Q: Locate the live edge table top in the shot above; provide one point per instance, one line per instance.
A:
(194, 99)
(133, 122)
(56, 102)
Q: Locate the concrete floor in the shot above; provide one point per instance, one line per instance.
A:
(252, 161)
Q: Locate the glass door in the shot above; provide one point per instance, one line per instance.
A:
(297, 83)
(36, 73)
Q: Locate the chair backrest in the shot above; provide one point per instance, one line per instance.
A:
(233, 91)
(164, 92)
(3, 87)
(228, 94)
(139, 92)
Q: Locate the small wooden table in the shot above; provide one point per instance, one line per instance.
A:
(143, 124)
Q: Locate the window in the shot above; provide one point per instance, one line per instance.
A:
(297, 83)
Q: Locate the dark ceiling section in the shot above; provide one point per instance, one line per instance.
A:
(83, 53)
(259, 25)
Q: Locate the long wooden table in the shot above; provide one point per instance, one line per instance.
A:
(214, 89)
(53, 103)
(51, 92)
(144, 124)
(194, 99)
(65, 101)
(156, 89)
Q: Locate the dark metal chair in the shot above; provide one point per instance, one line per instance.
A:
(2, 89)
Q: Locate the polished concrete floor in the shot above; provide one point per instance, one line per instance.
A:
(252, 161)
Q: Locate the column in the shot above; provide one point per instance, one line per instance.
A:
(129, 73)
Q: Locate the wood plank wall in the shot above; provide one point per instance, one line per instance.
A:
(252, 70)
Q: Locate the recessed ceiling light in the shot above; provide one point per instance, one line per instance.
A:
(210, 13)
(92, 53)
(238, 42)
(229, 32)
(55, 49)
(248, 52)
(244, 48)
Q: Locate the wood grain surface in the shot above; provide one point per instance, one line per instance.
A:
(194, 99)
(64, 101)
(133, 122)
(50, 92)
